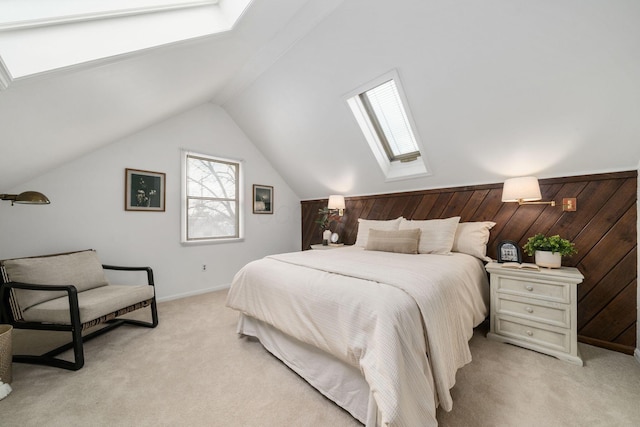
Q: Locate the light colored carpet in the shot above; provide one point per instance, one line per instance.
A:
(193, 370)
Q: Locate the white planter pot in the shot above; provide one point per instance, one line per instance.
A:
(548, 259)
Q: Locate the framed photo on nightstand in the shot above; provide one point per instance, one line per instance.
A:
(509, 251)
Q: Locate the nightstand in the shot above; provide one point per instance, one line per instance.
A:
(320, 246)
(536, 309)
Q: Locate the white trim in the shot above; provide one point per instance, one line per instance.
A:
(194, 293)
(636, 354)
(183, 199)
(95, 63)
(94, 16)
(5, 75)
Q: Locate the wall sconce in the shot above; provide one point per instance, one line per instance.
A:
(336, 203)
(26, 197)
(524, 190)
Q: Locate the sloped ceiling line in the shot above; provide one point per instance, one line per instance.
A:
(304, 21)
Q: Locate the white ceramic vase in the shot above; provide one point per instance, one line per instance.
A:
(326, 235)
(548, 259)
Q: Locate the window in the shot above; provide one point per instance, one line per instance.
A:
(212, 205)
(380, 109)
(386, 113)
(99, 30)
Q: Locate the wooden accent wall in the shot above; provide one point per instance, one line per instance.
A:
(603, 229)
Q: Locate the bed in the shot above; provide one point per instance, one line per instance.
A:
(379, 331)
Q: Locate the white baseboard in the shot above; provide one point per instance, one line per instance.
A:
(636, 354)
(198, 292)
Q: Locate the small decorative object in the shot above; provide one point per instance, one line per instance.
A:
(323, 218)
(144, 190)
(326, 235)
(262, 199)
(548, 251)
(334, 237)
(5, 389)
(508, 251)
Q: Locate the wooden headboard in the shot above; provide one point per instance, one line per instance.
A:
(603, 229)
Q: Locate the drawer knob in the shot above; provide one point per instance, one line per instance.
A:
(529, 288)
(529, 333)
(529, 310)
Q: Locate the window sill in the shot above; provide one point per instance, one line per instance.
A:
(211, 241)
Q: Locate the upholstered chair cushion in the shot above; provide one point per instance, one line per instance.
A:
(93, 303)
(80, 269)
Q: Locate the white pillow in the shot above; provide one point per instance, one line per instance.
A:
(472, 237)
(364, 225)
(437, 234)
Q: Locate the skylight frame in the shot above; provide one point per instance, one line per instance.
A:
(394, 167)
(85, 11)
(375, 119)
(88, 38)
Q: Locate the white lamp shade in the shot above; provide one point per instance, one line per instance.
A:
(525, 189)
(336, 202)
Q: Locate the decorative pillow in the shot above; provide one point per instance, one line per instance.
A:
(472, 237)
(81, 269)
(437, 234)
(364, 225)
(400, 241)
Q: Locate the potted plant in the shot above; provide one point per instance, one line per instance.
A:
(549, 250)
(324, 221)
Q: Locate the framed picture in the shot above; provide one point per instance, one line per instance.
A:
(509, 251)
(262, 199)
(144, 190)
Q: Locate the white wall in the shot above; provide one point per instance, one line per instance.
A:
(87, 209)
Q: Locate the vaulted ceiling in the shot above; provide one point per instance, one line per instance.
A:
(497, 88)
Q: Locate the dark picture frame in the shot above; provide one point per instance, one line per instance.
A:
(262, 199)
(509, 251)
(144, 190)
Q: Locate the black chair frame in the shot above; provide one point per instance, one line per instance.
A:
(49, 358)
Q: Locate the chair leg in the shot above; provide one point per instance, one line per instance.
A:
(78, 341)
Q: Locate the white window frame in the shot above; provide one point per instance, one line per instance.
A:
(240, 209)
(394, 170)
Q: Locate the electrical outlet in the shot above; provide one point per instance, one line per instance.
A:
(204, 267)
(569, 204)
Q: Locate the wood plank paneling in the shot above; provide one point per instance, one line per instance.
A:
(603, 229)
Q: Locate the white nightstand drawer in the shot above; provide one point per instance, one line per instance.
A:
(548, 338)
(535, 289)
(536, 310)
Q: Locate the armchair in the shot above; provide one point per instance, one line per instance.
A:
(69, 292)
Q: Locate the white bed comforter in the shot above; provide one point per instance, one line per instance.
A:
(374, 310)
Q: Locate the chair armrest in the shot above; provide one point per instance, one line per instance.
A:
(71, 291)
(32, 287)
(149, 271)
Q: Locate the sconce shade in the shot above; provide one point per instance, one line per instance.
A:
(523, 189)
(27, 197)
(336, 202)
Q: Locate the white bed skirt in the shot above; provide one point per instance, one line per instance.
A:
(339, 382)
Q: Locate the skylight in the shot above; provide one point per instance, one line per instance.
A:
(380, 108)
(41, 35)
(386, 113)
